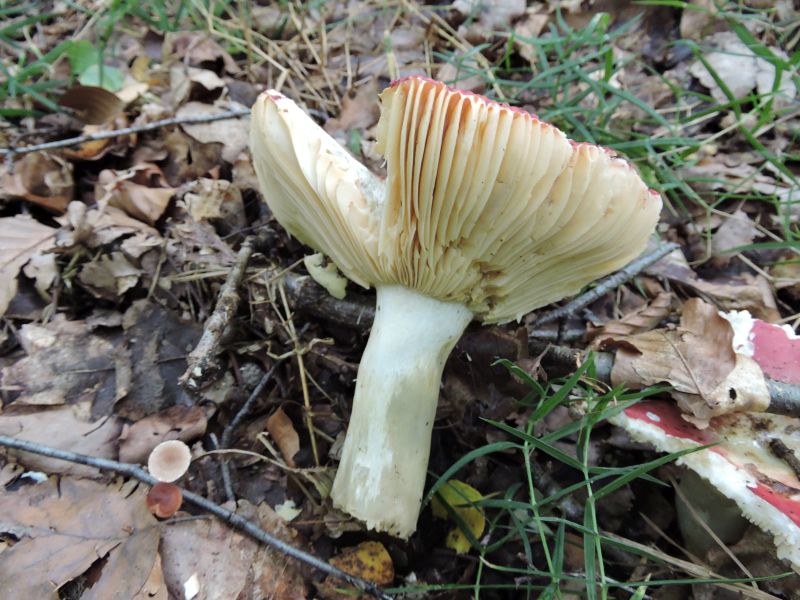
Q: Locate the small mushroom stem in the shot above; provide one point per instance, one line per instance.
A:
(384, 461)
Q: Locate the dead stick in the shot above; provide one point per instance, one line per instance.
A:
(200, 360)
(104, 135)
(235, 520)
(606, 285)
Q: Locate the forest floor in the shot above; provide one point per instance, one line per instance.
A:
(114, 248)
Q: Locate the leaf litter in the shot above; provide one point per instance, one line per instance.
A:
(118, 247)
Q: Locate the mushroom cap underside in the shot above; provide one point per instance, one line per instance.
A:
(483, 204)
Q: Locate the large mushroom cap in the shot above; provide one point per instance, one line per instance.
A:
(483, 204)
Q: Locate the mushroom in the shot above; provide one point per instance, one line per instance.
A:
(164, 499)
(169, 460)
(486, 212)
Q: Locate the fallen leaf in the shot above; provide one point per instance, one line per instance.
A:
(185, 423)
(64, 526)
(211, 199)
(282, 430)
(234, 134)
(487, 16)
(66, 362)
(737, 230)
(43, 270)
(21, 238)
(460, 498)
(369, 561)
(65, 428)
(133, 191)
(110, 276)
(638, 321)
(231, 564)
(742, 71)
(93, 105)
(197, 49)
(359, 110)
(97, 227)
(42, 179)
(698, 359)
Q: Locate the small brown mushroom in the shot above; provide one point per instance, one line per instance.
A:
(164, 499)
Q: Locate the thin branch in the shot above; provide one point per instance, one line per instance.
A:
(201, 362)
(605, 285)
(235, 520)
(227, 433)
(104, 135)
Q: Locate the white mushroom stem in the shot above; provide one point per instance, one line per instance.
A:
(384, 461)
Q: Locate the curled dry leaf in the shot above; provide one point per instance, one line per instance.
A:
(110, 276)
(369, 561)
(698, 359)
(97, 226)
(40, 178)
(141, 192)
(283, 432)
(637, 321)
(212, 199)
(21, 239)
(91, 104)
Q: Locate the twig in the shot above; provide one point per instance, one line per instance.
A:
(201, 361)
(227, 433)
(605, 285)
(235, 520)
(104, 135)
(786, 454)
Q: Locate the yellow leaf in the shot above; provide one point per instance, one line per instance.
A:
(460, 497)
(368, 560)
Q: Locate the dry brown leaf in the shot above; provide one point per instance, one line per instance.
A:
(697, 359)
(197, 49)
(234, 134)
(746, 292)
(488, 16)
(359, 110)
(110, 276)
(21, 239)
(369, 561)
(210, 199)
(638, 321)
(231, 564)
(185, 423)
(66, 428)
(98, 226)
(64, 526)
(91, 104)
(131, 190)
(42, 179)
(189, 83)
(742, 71)
(737, 230)
(283, 432)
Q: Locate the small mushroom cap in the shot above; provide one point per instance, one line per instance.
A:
(483, 204)
(169, 460)
(164, 499)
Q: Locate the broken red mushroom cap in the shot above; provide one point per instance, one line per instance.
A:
(741, 464)
(169, 460)
(164, 499)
